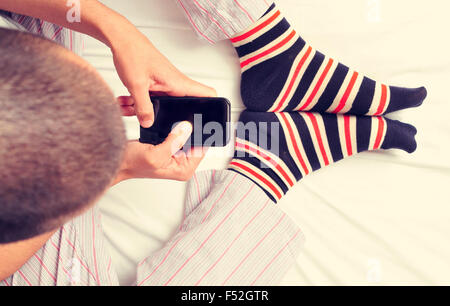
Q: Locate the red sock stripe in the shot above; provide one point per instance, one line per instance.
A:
(348, 138)
(319, 138)
(270, 160)
(256, 29)
(267, 52)
(347, 93)
(297, 151)
(319, 83)
(294, 78)
(383, 100)
(379, 134)
(259, 177)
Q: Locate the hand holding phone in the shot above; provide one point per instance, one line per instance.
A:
(210, 118)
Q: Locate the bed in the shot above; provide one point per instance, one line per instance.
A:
(374, 219)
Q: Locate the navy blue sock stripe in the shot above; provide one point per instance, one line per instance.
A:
(332, 89)
(332, 130)
(306, 139)
(272, 75)
(271, 8)
(306, 80)
(364, 98)
(363, 132)
(264, 39)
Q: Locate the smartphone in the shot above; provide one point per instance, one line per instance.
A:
(210, 118)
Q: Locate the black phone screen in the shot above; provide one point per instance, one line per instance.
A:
(209, 117)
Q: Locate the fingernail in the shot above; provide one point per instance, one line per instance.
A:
(147, 124)
(183, 129)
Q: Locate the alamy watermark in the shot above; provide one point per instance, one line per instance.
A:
(264, 135)
(374, 11)
(74, 272)
(74, 13)
(374, 271)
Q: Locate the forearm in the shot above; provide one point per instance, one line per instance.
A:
(97, 20)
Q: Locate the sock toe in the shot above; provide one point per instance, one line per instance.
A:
(402, 98)
(401, 136)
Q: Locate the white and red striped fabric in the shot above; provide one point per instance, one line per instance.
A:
(232, 234)
(70, 39)
(216, 20)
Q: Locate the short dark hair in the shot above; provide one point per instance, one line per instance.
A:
(61, 135)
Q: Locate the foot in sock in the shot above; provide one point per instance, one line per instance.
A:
(281, 72)
(275, 150)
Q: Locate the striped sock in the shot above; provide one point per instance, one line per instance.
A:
(281, 72)
(276, 158)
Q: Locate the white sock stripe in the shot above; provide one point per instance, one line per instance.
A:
(290, 78)
(341, 128)
(291, 144)
(314, 138)
(272, 156)
(313, 83)
(373, 132)
(261, 32)
(375, 100)
(353, 135)
(324, 85)
(388, 99)
(268, 46)
(323, 132)
(349, 104)
(300, 77)
(259, 172)
(280, 50)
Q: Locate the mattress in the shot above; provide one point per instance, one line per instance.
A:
(379, 218)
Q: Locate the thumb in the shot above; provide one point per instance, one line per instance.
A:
(176, 139)
(143, 106)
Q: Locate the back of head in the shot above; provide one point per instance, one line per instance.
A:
(61, 136)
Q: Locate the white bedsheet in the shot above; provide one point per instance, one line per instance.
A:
(378, 218)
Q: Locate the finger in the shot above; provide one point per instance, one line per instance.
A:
(143, 106)
(197, 152)
(175, 141)
(181, 158)
(127, 111)
(125, 101)
(196, 89)
(158, 93)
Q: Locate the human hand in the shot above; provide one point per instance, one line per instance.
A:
(143, 69)
(164, 161)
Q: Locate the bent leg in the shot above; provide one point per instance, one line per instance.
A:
(232, 234)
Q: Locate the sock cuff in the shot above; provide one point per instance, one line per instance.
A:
(271, 18)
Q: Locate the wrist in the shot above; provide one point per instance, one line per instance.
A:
(111, 29)
(118, 31)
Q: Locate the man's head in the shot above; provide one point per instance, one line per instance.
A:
(61, 136)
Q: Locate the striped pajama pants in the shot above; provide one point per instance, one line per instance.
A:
(232, 234)
(216, 20)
